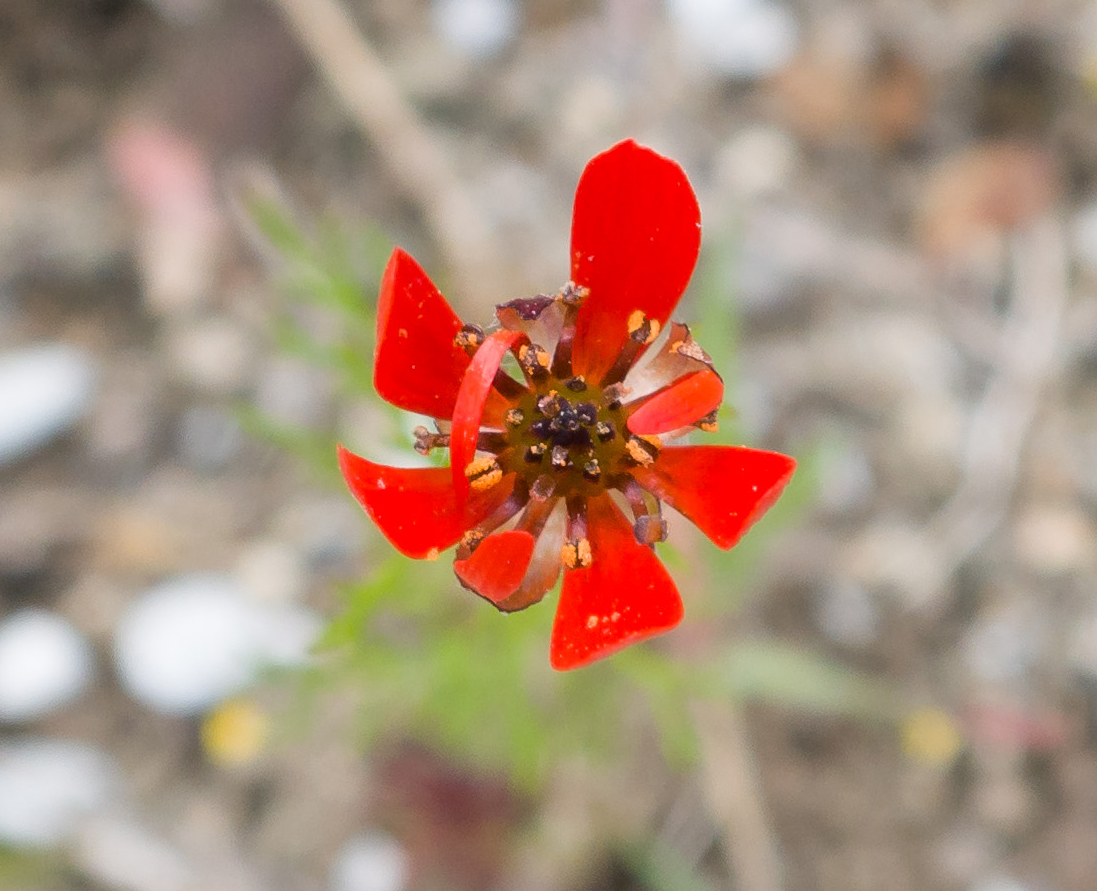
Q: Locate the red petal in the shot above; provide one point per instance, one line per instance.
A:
(723, 489)
(544, 565)
(682, 403)
(416, 508)
(496, 568)
(468, 413)
(624, 596)
(635, 234)
(417, 366)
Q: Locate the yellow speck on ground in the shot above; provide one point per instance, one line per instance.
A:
(931, 735)
(235, 733)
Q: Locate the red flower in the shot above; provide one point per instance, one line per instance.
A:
(533, 463)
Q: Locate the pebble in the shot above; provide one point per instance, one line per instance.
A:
(999, 883)
(44, 664)
(369, 862)
(195, 640)
(47, 786)
(293, 393)
(326, 528)
(1055, 539)
(209, 438)
(1084, 235)
(847, 614)
(478, 29)
(757, 161)
(186, 644)
(44, 391)
(846, 479)
(897, 557)
(271, 571)
(117, 854)
(1082, 647)
(215, 354)
(1004, 647)
(737, 38)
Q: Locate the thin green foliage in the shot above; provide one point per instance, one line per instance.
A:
(659, 867)
(21, 869)
(796, 678)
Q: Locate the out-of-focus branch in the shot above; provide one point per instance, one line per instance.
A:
(370, 94)
(1027, 359)
(733, 792)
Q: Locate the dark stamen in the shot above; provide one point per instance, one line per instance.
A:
(586, 413)
(613, 396)
(592, 471)
(577, 384)
(561, 460)
(567, 421)
(541, 428)
(649, 529)
(708, 423)
(469, 338)
(490, 441)
(574, 295)
(528, 309)
(549, 404)
(641, 332)
(534, 360)
(425, 440)
(605, 431)
(470, 541)
(535, 453)
(514, 417)
(642, 451)
(542, 488)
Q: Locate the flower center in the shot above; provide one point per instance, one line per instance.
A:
(574, 434)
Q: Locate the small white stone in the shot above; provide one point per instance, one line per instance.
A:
(373, 862)
(476, 28)
(44, 664)
(44, 391)
(188, 644)
(198, 639)
(47, 786)
(739, 38)
(121, 855)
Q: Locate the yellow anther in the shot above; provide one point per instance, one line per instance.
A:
(576, 553)
(483, 473)
(642, 449)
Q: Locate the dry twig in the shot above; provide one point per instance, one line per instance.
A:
(367, 90)
(734, 794)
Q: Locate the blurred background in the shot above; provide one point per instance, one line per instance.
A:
(213, 672)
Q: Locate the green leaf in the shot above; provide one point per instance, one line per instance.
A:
(789, 676)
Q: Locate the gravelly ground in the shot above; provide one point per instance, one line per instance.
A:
(909, 189)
